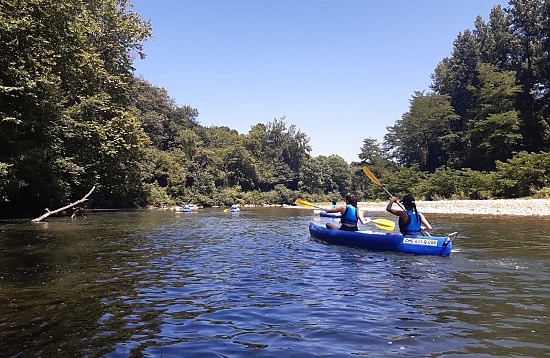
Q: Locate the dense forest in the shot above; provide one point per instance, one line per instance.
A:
(74, 116)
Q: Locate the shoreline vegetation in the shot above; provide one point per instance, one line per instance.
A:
(148, 151)
(515, 207)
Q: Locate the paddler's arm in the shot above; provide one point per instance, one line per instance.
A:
(338, 209)
(402, 214)
(425, 222)
(390, 208)
(361, 218)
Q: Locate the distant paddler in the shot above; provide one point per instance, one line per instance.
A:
(234, 208)
(350, 214)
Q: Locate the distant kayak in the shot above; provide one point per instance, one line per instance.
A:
(418, 245)
(184, 209)
(330, 215)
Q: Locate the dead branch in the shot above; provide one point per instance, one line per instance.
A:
(48, 212)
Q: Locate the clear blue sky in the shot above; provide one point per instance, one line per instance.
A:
(341, 71)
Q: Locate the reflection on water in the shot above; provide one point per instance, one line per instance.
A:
(254, 283)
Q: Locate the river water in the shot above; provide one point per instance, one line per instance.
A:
(255, 284)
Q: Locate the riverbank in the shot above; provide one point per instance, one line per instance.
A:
(516, 207)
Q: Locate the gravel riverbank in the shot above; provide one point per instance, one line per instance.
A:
(519, 207)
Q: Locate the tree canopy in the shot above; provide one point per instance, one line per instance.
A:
(490, 98)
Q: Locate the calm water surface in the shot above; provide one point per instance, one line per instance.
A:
(255, 284)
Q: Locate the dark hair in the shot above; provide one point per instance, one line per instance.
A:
(351, 199)
(409, 202)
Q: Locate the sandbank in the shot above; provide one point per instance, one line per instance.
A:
(517, 207)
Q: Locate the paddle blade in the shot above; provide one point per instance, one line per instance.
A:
(371, 176)
(303, 203)
(384, 224)
(225, 210)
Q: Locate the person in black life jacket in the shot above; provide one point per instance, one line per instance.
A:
(350, 214)
(410, 220)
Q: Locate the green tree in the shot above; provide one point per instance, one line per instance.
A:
(65, 74)
(496, 42)
(166, 171)
(400, 181)
(165, 123)
(424, 135)
(326, 175)
(453, 75)
(522, 175)
(239, 167)
(204, 176)
(372, 154)
(515, 39)
(313, 176)
(530, 25)
(340, 174)
(494, 133)
(281, 152)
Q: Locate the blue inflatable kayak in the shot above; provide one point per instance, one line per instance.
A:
(330, 215)
(418, 245)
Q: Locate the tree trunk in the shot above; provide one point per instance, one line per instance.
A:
(48, 213)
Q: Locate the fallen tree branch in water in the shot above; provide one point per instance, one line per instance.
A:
(48, 212)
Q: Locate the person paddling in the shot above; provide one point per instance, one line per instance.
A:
(410, 220)
(350, 214)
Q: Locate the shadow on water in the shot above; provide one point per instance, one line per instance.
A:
(254, 283)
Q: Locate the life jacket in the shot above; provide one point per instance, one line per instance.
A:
(412, 226)
(350, 216)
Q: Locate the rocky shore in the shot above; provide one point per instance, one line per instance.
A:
(519, 207)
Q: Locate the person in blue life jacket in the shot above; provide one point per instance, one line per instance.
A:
(350, 215)
(334, 204)
(410, 220)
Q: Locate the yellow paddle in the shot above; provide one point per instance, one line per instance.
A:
(375, 180)
(384, 224)
(226, 210)
(306, 204)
